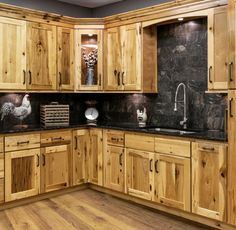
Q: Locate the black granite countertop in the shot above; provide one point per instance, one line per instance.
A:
(213, 135)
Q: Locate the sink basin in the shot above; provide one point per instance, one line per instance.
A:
(169, 130)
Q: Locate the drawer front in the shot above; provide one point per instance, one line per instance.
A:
(13, 143)
(1, 144)
(139, 142)
(115, 138)
(56, 137)
(173, 147)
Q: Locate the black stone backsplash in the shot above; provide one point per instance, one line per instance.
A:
(182, 57)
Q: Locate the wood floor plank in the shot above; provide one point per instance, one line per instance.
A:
(88, 210)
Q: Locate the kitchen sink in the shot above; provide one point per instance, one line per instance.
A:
(170, 130)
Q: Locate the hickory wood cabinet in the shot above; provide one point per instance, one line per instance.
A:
(65, 59)
(114, 160)
(123, 59)
(209, 179)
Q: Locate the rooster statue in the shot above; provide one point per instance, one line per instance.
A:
(20, 112)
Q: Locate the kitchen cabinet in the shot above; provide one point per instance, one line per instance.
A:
(80, 156)
(13, 54)
(41, 56)
(22, 166)
(65, 59)
(139, 173)
(172, 173)
(218, 49)
(89, 59)
(55, 160)
(209, 176)
(2, 174)
(123, 60)
(231, 160)
(95, 161)
(114, 159)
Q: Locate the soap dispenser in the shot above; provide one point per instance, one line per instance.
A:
(142, 117)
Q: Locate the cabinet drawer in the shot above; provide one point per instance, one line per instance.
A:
(20, 142)
(115, 138)
(173, 147)
(139, 142)
(1, 144)
(55, 138)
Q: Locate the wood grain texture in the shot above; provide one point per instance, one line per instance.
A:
(88, 210)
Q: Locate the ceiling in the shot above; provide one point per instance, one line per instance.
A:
(90, 3)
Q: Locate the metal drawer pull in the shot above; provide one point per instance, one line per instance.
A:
(210, 71)
(24, 73)
(230, 71)
(208, 148)
(123, 74)
(120, 159)
(60, 79)
(37, 160)
(76, 144)
(150, 165)
(22, 142)
(156, 162)
(118, 78)
(57, 138)
(30, 77)
(230, 107)
(44, 160)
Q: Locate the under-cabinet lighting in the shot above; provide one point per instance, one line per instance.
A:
(90, 46)
(180, 19)
(90, 35)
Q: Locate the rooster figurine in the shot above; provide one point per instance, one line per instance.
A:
(20, 112)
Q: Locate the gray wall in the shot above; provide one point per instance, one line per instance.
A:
(53, 6)
(124, 6)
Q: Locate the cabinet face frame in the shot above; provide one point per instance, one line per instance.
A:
(65, 59)
(34, 154)
(209, 158)
(13, 60)
(78, 59)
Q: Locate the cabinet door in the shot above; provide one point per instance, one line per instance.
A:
(218, 50)
(114, 168)
(95, 157)
(13, 58)
(231, 161)
(112, 59)
(131, 56)
(80, 156)
(172, 181)
(2, 177)
(232, 42)
(41, 56)
(139, 173)
(21, 174)
(54, 170)
(209, 180)
(65, 58)
(89, 59)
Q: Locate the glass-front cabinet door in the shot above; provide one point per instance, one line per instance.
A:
(89, 59)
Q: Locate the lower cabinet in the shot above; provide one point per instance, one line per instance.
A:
(22, 172)
(2, 174)
(54, 168)
(172, 181)
(209, 179)
(139, 173)
(114, 168)
(95, 161)
(80, 156)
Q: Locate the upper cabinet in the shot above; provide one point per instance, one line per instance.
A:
(123, 59)
(65, 59)
(41, 56)
(89, 59)
(13, 54)
(218, 49)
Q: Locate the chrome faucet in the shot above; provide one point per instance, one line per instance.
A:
(184, 121)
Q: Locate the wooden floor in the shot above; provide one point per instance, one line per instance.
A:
(87, 209)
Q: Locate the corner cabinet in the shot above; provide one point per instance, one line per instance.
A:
(41, 56)
(209, 176)
(13, 54)
(89, 59)
(65, 59)
(123, 59)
